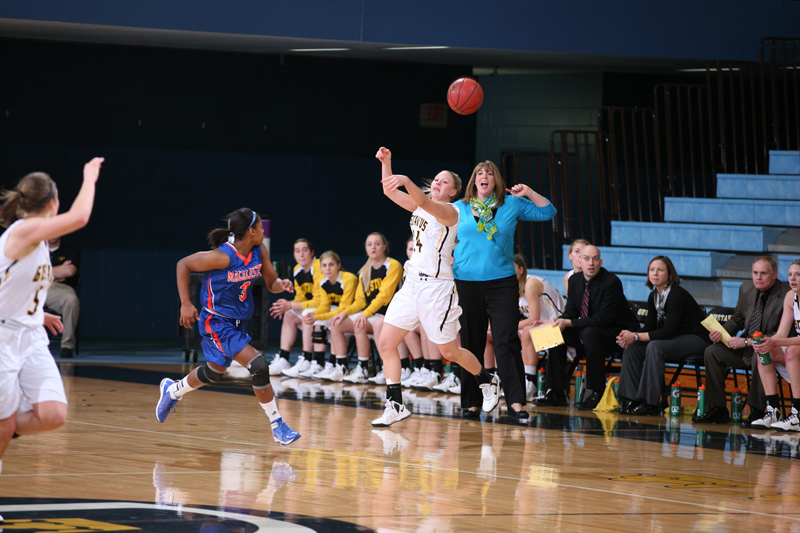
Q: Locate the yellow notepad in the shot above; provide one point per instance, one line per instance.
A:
(546, 336)
(712, 324)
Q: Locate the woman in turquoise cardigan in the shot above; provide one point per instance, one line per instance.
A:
(487, 281)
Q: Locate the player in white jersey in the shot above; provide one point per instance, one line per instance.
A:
(783, 349)
(428, 296)
(539, 301)
(32, 397)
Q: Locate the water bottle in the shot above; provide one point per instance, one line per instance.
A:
(758, 338)
(578, 386)
(540, 376)
(736, 406)
(675, 399)
(701, 401)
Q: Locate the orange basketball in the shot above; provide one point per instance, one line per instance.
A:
(465, 96)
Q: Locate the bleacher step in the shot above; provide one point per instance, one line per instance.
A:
(758, 186)
(784, 162)
(628, 260)
(734, 238)
(732, 211)
(788, 242)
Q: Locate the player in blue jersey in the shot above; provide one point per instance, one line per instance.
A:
(237, 258)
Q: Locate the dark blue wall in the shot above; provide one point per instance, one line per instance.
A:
(190, 136)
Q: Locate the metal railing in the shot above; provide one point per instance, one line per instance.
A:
(780, 78)
(637, 156)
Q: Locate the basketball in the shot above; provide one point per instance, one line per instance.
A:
(465, 96)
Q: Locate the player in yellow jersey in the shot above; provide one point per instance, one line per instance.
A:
(307, 273)
(378, 280)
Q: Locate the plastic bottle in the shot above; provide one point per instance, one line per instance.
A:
(758, 338)
(736, 406)
(578, 385)
(675, 399)
(701, 401)
(540, 382)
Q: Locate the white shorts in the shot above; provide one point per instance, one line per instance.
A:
(371, 319)
(28, 373)
(300, 314)
(433, 304)
(323, 323)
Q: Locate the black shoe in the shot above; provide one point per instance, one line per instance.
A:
(755, 414)
(518, 415)
(552, 399)
(66, 353)
(588, 403)
(470, 413)
(626, 406)
(645, 409)
(714, 415)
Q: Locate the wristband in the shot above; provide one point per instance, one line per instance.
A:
(636, 336)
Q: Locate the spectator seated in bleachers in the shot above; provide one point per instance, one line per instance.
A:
(759, 308)
(596, 312)
(672, 332)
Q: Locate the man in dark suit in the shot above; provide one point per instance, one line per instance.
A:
(596, 312)
(766, 292)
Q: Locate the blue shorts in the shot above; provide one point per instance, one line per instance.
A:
(222, 337)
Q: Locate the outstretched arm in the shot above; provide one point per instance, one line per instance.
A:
(443, 212)
(402, 199)
(37, 229)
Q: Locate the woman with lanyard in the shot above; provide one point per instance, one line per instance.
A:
(487, 281)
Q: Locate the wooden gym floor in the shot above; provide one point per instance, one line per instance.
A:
(213, 466)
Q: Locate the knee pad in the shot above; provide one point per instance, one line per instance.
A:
(208, 375)
(320, 337)
(259, 369)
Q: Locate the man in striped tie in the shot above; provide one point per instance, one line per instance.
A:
(596, 312)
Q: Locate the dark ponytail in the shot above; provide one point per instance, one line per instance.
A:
(32, 194)
(239, 222)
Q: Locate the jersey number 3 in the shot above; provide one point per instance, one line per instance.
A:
(243, 294)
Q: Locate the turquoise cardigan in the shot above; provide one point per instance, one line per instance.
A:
(480, 259)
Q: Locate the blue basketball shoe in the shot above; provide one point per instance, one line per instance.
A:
(283, 433)
(166, 404)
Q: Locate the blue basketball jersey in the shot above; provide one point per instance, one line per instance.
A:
(228, 292)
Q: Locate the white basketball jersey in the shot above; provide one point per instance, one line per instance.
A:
(551, 303)
(24, 283)
(433, 246)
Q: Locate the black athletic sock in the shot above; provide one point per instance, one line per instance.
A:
(436, 366)
(491, 370)
(796, 404)
(772, 400)
(307, 356)
(455, 368)
(285, 354)
(319, 357)
(484, 376)
(405, 363)
(394, 393)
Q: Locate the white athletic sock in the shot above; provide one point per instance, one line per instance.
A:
(530, 369)
(271, 408)
(179, 388)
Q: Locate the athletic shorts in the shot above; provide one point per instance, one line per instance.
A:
(28, 373)
(323, 323)
(223, 337)
(371, 319)
(433, 304)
